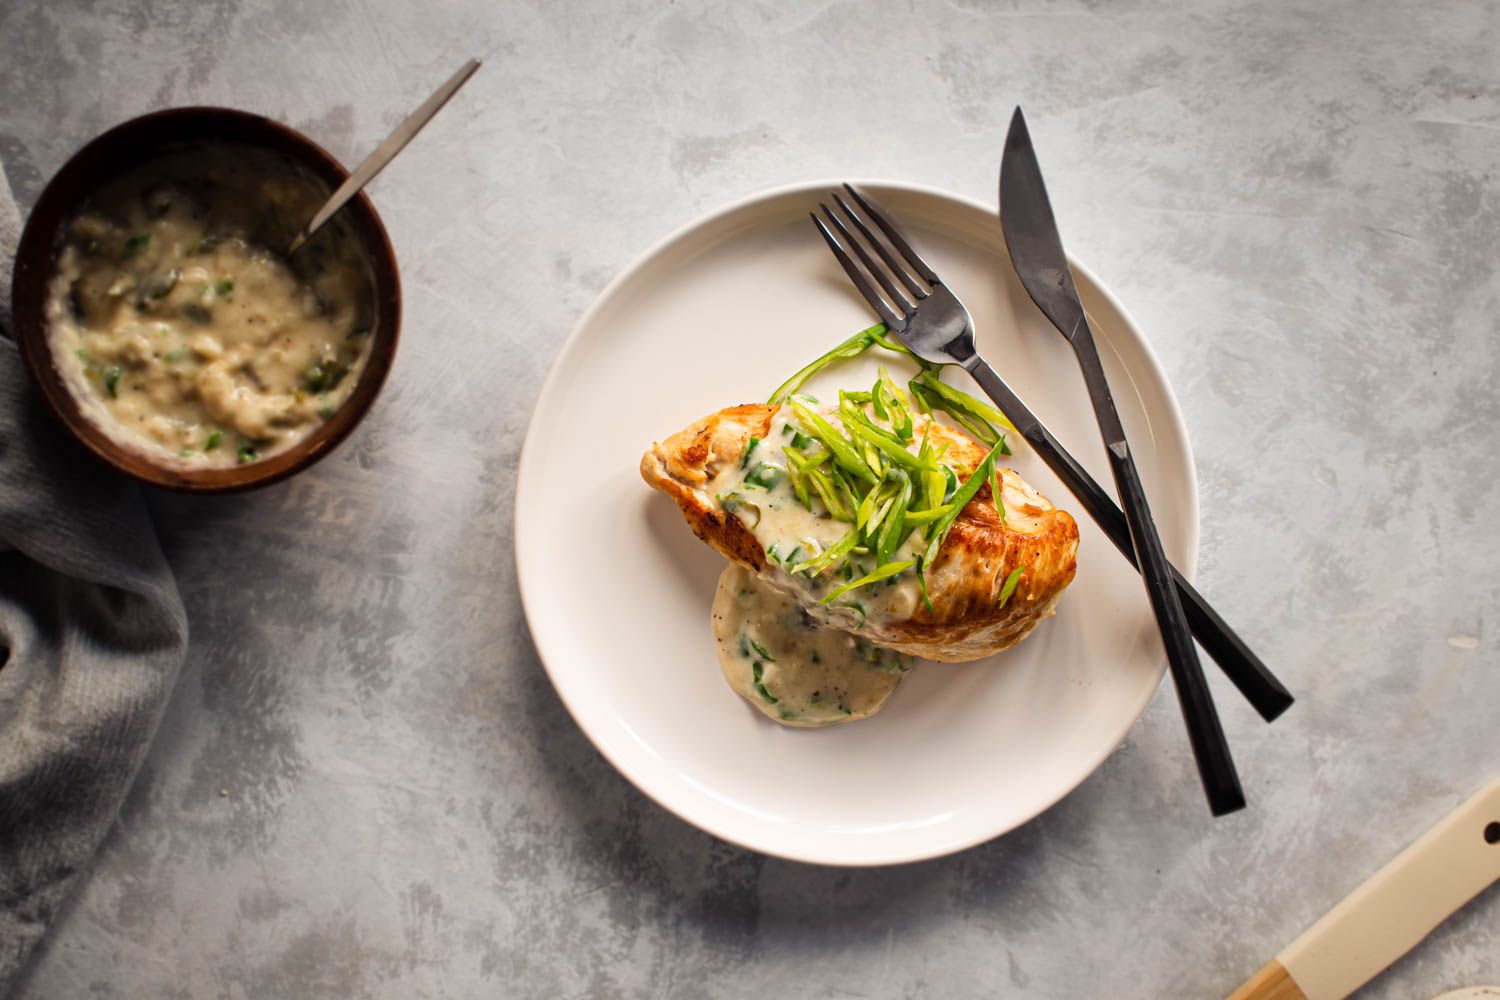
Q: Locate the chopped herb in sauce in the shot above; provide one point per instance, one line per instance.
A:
(733, 503)
(757, 672)
(141, 289)
(214, 437)
(819, 676)
(764, 475)
(158, 285)
(760, 650)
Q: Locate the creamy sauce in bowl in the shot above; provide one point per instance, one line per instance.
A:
(181, 335)
(789, 667)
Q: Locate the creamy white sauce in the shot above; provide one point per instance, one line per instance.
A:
(182, 336)
(792, 669)
(789, 533)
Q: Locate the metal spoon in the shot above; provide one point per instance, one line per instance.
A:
(385, 152)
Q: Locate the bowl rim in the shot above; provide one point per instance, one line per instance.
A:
(126, 146)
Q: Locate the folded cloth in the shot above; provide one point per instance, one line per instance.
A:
(92, 634)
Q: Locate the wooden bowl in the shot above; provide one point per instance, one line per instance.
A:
(118, 151)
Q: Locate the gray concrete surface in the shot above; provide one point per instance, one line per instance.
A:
(365, 786)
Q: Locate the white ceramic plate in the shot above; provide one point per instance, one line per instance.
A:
(617, 590)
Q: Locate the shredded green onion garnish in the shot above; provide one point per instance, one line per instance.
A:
(843, 452)
(868, 471)
(1009, 587)
(889, 569)
(838, 550)
(940, 528)
(851, 348)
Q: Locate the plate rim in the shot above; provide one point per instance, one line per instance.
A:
(1172, 411)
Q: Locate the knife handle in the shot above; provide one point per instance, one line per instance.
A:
(1205, 733)
(1390, 913)
(1235, 658)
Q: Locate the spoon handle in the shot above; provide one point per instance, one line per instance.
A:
(386, 151)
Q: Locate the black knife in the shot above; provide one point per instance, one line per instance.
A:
(1037, 253)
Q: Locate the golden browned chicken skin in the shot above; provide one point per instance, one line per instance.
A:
(967, 620)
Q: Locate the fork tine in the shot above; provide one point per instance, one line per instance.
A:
(897, 240)
(857, 276)
(885, 255)
(892, 292)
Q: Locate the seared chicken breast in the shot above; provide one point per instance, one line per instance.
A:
(971, 613)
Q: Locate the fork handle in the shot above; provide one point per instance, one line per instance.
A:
(1235, 658)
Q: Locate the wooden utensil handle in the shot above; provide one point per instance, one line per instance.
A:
(1272, 982)
(1392, 911)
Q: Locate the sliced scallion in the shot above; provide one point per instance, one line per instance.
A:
(940, 528)
(927, 516)
(735, 504)
(1009, 587)
(843, 452)
(828, 493)
(893, 532)
(830, 555)
(764, 475)
(749, 450)
(757, 671)
(851, 348)
(889, 569)
(962, 400)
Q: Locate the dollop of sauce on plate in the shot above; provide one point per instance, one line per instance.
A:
(182, 335)
(790, 668)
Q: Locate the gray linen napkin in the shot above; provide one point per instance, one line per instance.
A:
(92, 634)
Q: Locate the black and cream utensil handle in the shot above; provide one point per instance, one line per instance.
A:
(1392, 911)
